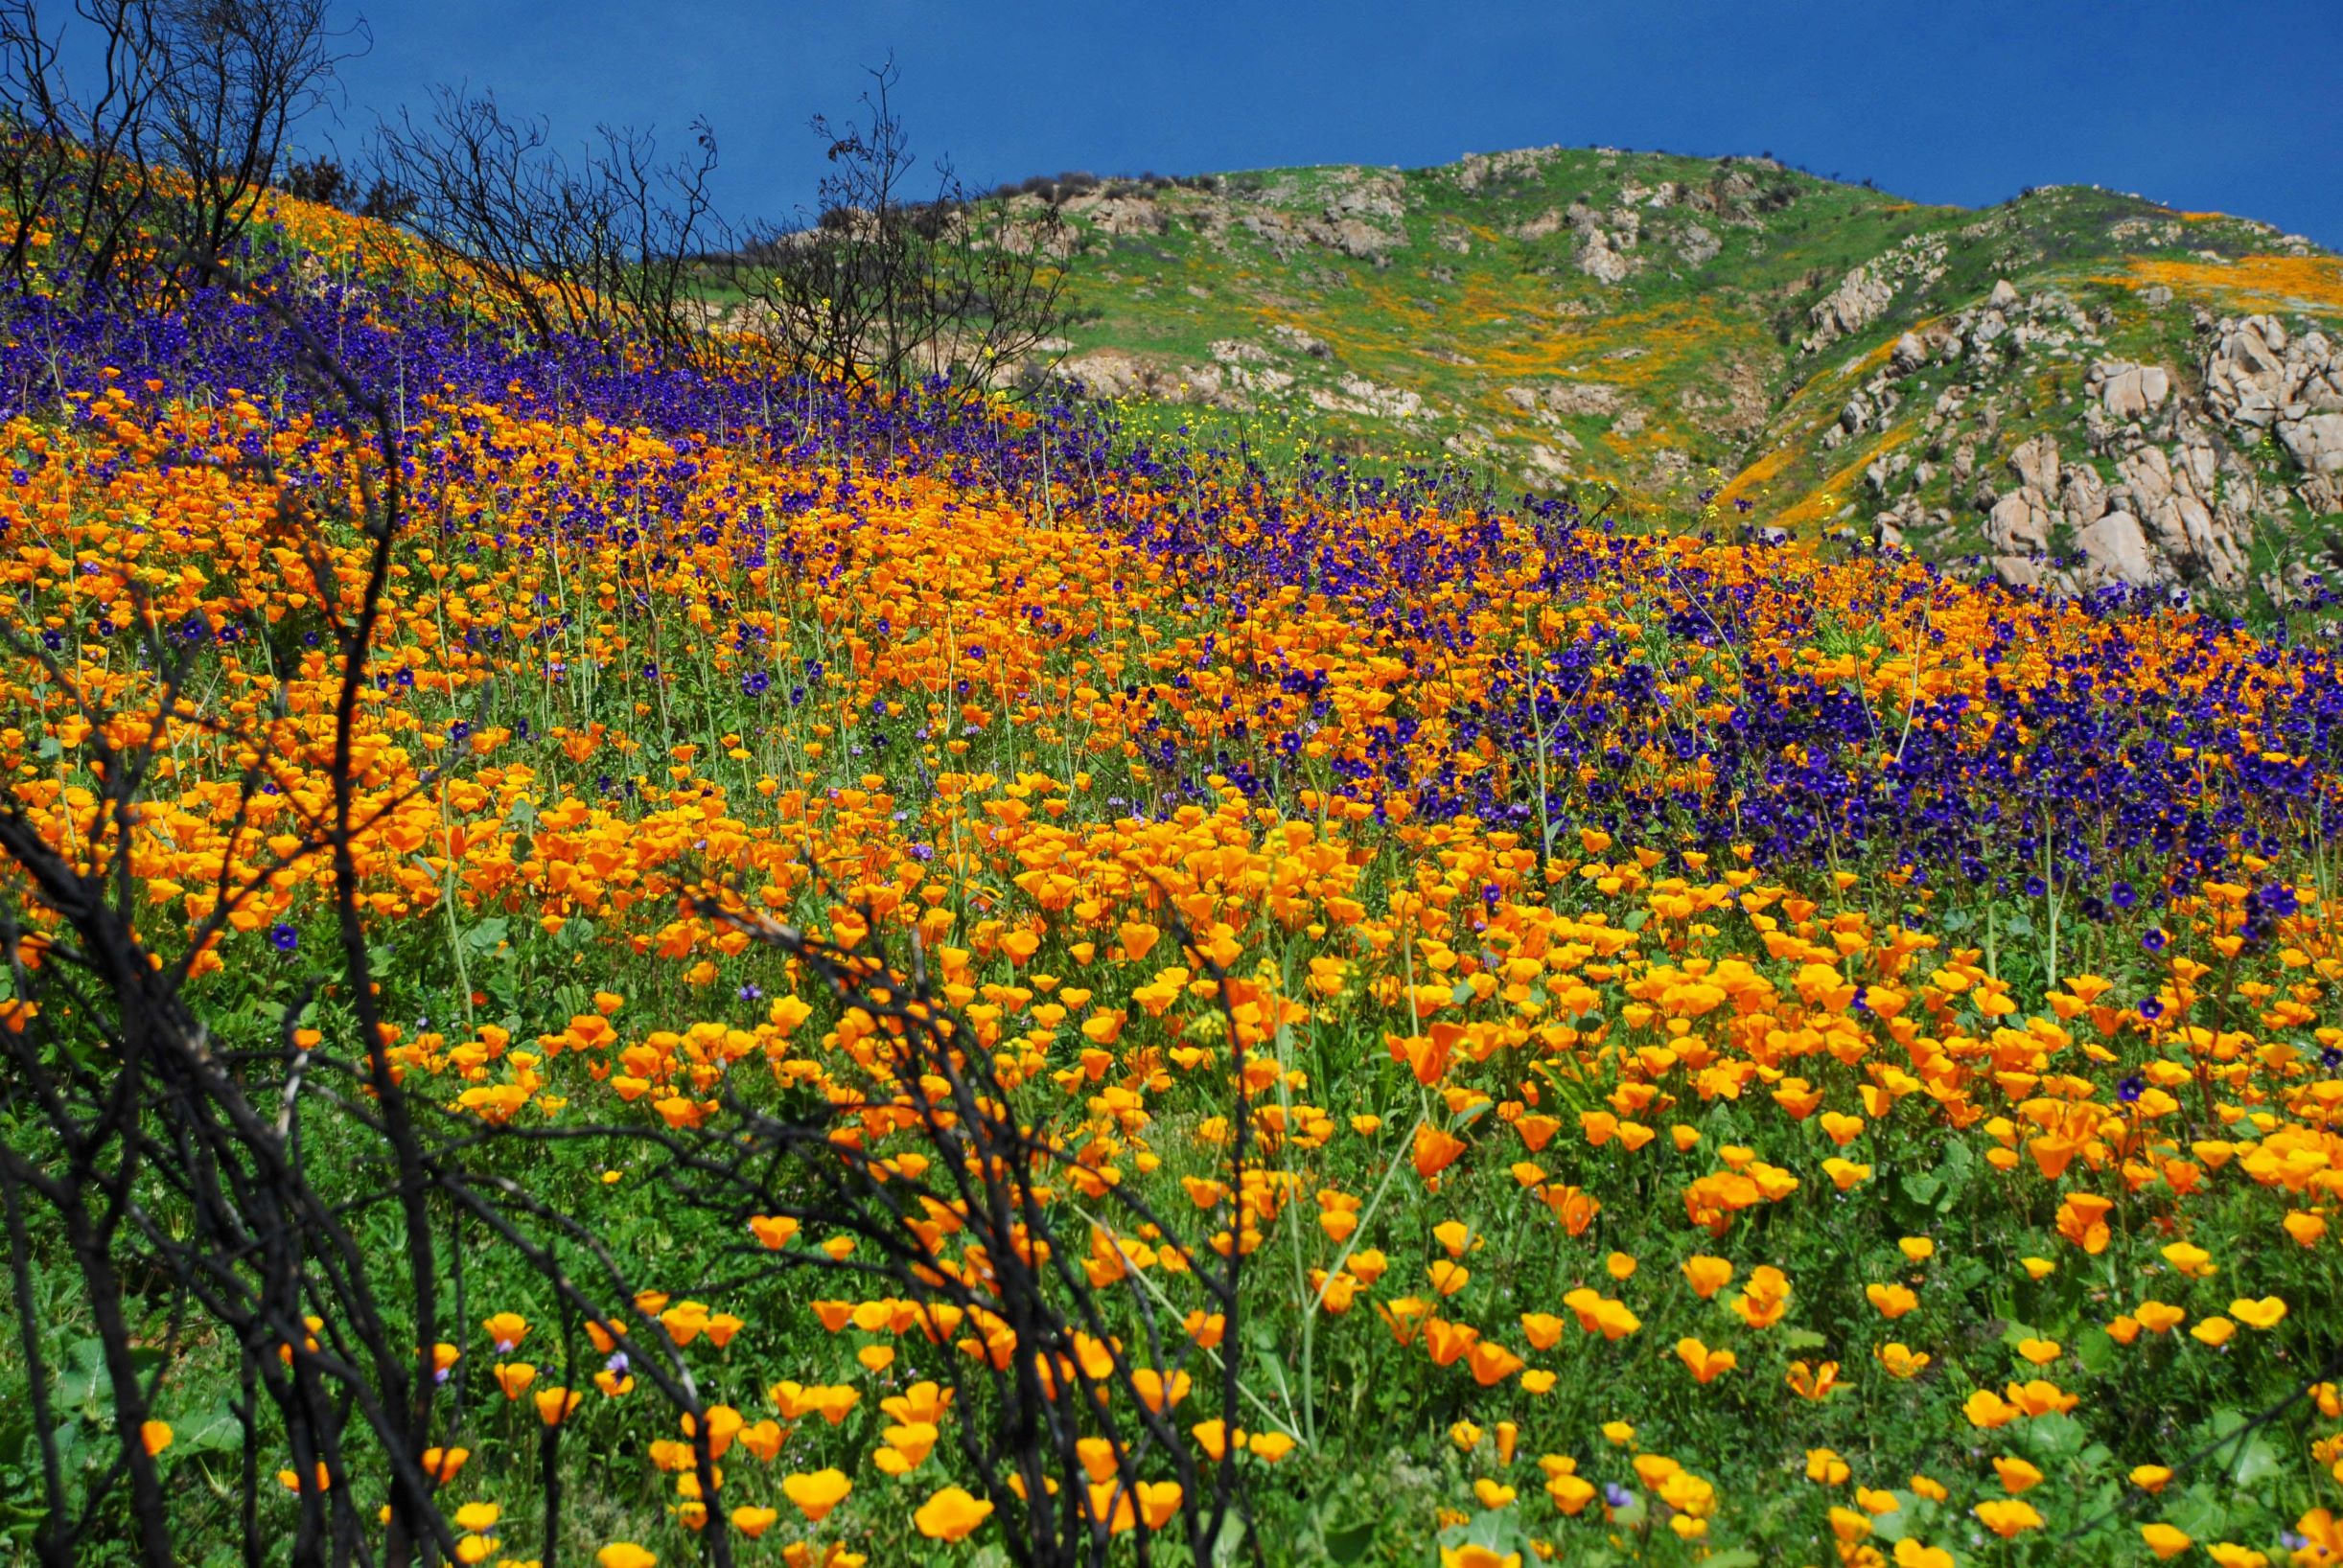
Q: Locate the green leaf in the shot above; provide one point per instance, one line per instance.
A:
(1349, 1543)
(1740, 1557)
(1912, 1515)
(2057, 1435)
(215, 1430)
(1499, 1530)
(2257, 1461)
(83, 1378)
(2248, 1460)
(1922, 1190)
(2095, 1349)
(1802, 1339)
(485, 935)
(2197, 1511)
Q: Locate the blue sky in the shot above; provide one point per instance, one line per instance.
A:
(2201, 106)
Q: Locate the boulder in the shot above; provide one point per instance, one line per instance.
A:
(1108, 373)
(1301, 342)
(2020, 571)
(2019, 522)
(1862, 297)
(1545, 463)
(2115, 550)
(2128, 391)
(2035, 464)
(1600, 262)
(2082, 494)
(2315, 442)
(1583, 398)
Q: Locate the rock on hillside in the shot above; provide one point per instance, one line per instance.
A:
(2204, 475)
(1735, 341)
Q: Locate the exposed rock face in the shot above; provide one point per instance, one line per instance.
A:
(1301, 342)
(2127, 391)
(1599, 260)
(1359, 396)
(1863, 297)
(1583, 398)
(2316, 442)
(2259, 375)
(2175, 494)
(2166, 520)
(1480, 169)
(2035, 463)
(1545, 463)
(2114, 550)
(1119, 215)
(1224, 383)
(1361, 216)
(2020, 522)
(1108, 373)
(2171, 488)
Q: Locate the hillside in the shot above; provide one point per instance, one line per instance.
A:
(2074, 388)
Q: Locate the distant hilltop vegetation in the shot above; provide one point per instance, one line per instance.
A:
(2073, 389)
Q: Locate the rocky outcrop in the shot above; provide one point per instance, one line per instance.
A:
(1599, 399)
(1604, 241)
(1480, 169)
(1356, 395)
(1545, 463)
(1119, 215)
(1864, 295)
(2259, 375)
(2169, 487)
(1109, 373)
(2176, 495)
(2168, 518)
(1597, 259)
(2127, 391)
(2019, 524)
(2114, 550)
(1361, 215)
(1301, 342)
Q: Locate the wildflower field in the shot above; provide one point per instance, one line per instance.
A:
(1703, 1052)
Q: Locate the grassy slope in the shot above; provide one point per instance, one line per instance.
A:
(1472, 298)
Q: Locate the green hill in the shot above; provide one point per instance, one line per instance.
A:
(2075, 387)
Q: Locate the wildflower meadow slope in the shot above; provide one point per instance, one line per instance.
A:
(1747, 1055)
